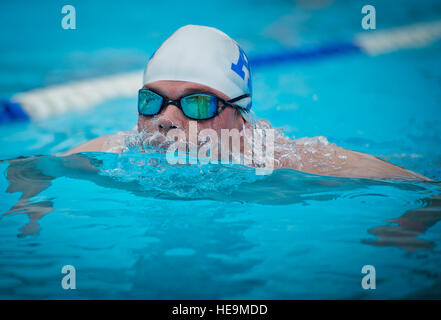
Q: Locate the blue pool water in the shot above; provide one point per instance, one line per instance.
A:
(221, 232)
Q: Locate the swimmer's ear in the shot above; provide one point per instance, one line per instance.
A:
(245, 122)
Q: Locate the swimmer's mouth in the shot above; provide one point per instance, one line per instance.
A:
(159, 142)
(156, 146)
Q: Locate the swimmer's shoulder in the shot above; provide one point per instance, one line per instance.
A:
(394, 170)
(94, 145)
(107, 143)
(333, 160)
(364, 165)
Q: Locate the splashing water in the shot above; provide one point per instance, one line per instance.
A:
(297, 154)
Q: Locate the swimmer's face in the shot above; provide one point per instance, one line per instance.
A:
(172, 117)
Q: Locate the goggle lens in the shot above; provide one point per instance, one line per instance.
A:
(149, 103)
(199, 106)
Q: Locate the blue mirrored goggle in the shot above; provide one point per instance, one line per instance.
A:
(198, 106)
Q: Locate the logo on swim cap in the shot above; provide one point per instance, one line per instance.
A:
(238, 67)
(203, 55)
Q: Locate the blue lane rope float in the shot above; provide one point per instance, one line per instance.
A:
(45, 102)
(11, 111)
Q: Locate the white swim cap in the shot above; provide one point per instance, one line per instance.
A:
(206, 56)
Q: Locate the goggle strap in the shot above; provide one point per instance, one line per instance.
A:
(246, 95)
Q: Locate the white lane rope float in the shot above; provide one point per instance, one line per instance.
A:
(45, 102)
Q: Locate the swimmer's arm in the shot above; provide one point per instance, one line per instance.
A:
(339, 162)
(94, 145)
(364, 165)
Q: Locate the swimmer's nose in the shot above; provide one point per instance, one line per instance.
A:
(165, 124)
(169, 119)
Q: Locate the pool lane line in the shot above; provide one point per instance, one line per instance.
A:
(45, 102)
(413, 36)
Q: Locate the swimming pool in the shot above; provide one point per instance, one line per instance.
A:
(222, 232)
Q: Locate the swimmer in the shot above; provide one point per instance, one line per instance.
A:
(201, 74)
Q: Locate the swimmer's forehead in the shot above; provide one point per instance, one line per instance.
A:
(176, 89)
